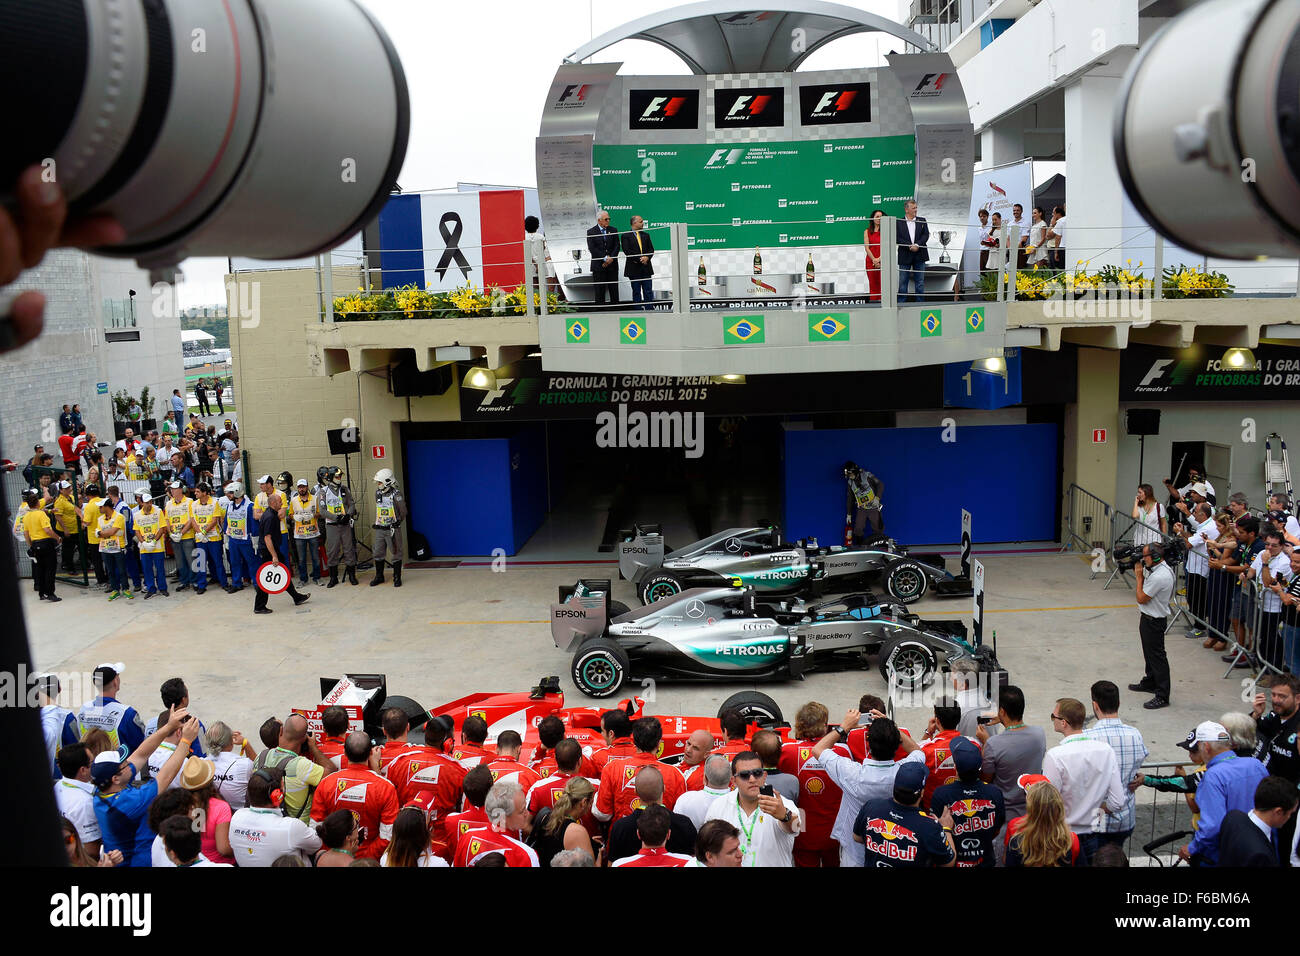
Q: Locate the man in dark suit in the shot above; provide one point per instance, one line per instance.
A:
(638, 248)
(912, 236)
(1250, 839)
(602, 243)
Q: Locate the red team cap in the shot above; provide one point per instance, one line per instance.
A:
(1027, 780)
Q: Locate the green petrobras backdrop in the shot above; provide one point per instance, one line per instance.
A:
(764, 194)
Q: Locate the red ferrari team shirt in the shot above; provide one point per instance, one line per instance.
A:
(390, 750)
(471, 755)
(371, 799)
(332, 747)
(654, 857)
(477, 843)
(731, 748)
(621, 747)
(819, 796)
(693, 775)
(543, 763)
(939, 763)
(857, 744)
(617, 797)
(512, 771)
(458, 824)
(424, 770)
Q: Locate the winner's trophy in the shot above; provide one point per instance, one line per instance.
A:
(577, 262)
(945, 237)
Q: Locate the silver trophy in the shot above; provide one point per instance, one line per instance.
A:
(577, 261)
(945, 237)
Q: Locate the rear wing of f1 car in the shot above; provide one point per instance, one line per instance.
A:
(640, 548)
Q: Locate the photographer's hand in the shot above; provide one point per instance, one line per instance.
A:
(38, 225)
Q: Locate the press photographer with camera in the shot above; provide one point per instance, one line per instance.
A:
(1155, 589)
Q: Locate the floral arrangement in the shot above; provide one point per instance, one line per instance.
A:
(1194, 283)
(1181, 282)
(412, 302)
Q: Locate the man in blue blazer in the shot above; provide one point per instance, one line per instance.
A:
(1250, 839)
(912, 236)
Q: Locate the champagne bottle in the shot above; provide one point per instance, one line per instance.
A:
(703, 274)
(808, 272)
(758, 262)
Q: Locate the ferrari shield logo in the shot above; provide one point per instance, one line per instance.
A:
(479, 713)
(805, 754)
(474, 847)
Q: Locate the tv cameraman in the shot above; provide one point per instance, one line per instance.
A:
(1155, 589)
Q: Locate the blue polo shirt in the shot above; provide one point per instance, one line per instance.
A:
(124, 822)
(1228, 784)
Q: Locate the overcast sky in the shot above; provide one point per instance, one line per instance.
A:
(462, 59)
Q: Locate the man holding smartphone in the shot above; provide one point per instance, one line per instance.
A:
(767, 821)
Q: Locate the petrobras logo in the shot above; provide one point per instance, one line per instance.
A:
(663, 109)
(829, 105)
(748, 650)
(931, 84)
(724, 157)
(572, 97)
(788, 574)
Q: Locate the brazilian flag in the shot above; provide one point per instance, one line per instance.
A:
(931, 323)
(577, 333)
(828, 327)
(742, 330)
(632, 331)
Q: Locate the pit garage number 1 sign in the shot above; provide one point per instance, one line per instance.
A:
(273, 578)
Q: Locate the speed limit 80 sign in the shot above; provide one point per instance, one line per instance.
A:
(273, 578)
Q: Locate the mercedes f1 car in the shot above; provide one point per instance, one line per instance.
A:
(761, 559)
(728, 633)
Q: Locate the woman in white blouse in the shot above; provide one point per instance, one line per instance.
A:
(1146, 510)
(1037, 247)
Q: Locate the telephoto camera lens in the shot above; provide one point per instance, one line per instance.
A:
(1207, 129)
(272, 129)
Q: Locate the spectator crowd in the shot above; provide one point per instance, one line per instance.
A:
(979, 788)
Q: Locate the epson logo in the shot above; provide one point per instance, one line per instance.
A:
(569, 612)
(748, 650)
(627, 549)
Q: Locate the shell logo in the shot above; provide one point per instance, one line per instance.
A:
(815, 785)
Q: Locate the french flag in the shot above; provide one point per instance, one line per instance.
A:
(442, 241)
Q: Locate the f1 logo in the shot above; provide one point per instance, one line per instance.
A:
(578, 92)
(841, 100)
(728, 157)
(1157, 369)
(756, 105)
(926, 81)
(674, 103)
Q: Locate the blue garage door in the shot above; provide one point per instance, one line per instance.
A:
(1005, 475)
(472, 496)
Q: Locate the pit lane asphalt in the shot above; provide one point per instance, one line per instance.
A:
(450, 632)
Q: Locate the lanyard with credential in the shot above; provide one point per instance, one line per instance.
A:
(749, 834)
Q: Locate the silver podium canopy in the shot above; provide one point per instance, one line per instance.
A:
(720, 37)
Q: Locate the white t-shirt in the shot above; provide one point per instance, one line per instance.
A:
(261, 835)
(158, 854)
(1037, 231)
(425, 860)
(763, 840)
(695, 804)
(159, 757)
(231, 778)
(1059, 229)
(1147, 529)
(1279, 565)
(76, 801)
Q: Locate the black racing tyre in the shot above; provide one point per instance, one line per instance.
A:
(615, 609)
(907, 664)
(906, 581)
(599, 668)
(875, 541)
(662, 584)
(757, 708)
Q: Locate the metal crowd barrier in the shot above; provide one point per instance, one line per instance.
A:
(1162, 819)
(1087, 524)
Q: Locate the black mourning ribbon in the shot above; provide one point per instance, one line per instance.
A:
(451, 238)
